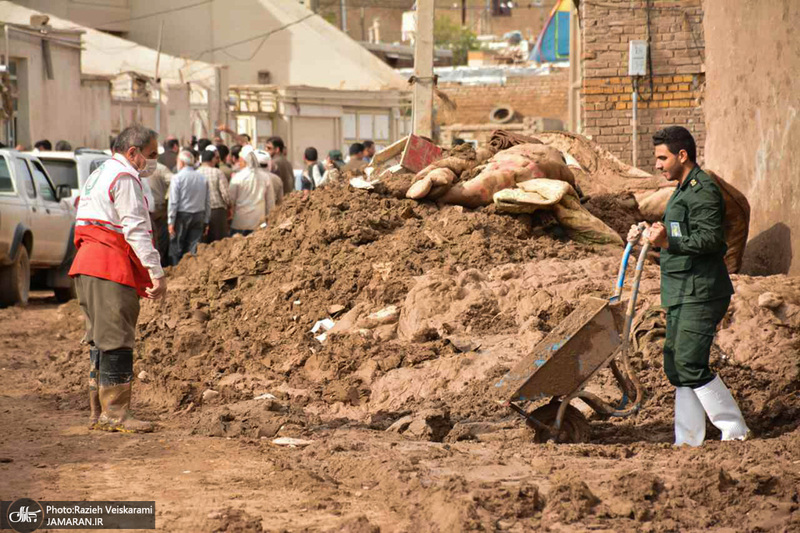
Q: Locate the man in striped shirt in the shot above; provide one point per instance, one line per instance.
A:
(218, 198)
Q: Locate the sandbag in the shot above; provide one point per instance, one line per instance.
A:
(419, 189)
(503, 140)
(530, 196)
(736, 224)
(653, 204)
(581, 225)
(456, 164)
(506, 169)
(562, 199)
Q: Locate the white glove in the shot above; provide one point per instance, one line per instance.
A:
(637, 231)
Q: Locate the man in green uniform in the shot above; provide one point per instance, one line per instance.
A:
(695, 289)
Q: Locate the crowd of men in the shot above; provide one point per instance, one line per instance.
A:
(206, 191)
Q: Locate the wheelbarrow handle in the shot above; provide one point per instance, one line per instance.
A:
(634, 294)
(623, 266)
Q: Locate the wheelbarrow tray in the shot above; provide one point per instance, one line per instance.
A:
(569, 355)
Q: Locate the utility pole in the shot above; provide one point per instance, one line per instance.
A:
(158, 81)
(363, 25)
(423, 70)
(464, 13)
(343, 5)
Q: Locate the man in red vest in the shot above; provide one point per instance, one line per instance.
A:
(116, 264)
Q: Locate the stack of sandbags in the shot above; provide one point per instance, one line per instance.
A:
(504, 170)
(560, 198)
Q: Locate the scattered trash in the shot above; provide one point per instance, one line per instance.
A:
(144, 376)
(209, 395)
(361, 183)
(265, 396)
(292, 443)
(324, 325)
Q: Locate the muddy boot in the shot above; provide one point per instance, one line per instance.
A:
(94, 395)
(116, 375)
(690, 418)
(116, 416)
(722, 409)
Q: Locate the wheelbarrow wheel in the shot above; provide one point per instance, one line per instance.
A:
(574, 428)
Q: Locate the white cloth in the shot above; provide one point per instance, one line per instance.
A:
(114, 195)
(252, 197)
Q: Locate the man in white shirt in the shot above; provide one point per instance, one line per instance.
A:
(189, 208)
(251, 194)
(116, 264)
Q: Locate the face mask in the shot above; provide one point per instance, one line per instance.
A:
(149, 168)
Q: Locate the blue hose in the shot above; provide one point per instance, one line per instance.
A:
(621, 277)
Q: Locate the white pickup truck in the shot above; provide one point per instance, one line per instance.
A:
(37, 225)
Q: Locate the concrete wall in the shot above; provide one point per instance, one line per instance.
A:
(530, 96)
(752, 106)
(48, 109)
(95, 113)
(678, 73)
(311, 52)
(94, 14)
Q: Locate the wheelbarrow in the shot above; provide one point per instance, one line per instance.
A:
(562, 364)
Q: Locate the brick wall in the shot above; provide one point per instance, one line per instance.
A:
(677, 50)
(530, 96)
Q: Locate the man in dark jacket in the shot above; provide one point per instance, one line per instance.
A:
(280, 165)
(695, 290)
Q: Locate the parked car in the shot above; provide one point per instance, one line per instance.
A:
(71, 168)
(37, 224)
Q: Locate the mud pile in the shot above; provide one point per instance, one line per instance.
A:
(431, 306)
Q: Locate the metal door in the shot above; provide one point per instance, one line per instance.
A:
(57, 217)
(13, 207)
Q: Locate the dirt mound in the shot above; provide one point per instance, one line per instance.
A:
(431, 305)
(230, 520)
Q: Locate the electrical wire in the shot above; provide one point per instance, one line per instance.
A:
(263, 37)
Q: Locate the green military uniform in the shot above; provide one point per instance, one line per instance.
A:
(695, 287)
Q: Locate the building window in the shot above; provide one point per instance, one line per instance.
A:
(360, 126)
(10, 80)
(502, 8)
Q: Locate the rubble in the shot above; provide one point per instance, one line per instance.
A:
(433, 304)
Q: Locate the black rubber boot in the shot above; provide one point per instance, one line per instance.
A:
(94, 395)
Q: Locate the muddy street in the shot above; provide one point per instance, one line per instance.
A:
(353, 477)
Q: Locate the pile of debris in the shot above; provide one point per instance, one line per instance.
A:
(361, 306)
